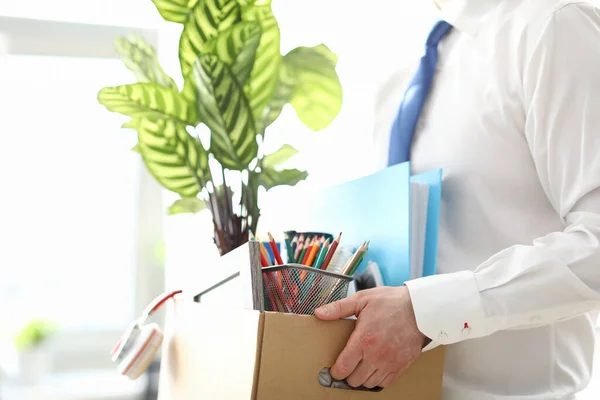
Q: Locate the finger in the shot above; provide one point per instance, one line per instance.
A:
(348, 359)
(360, 375)
(375, 379)
(338, 309)
(389, 379)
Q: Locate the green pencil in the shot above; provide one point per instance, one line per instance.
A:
(301, 256)
(322, 254)
(359, 260)
(290, 252)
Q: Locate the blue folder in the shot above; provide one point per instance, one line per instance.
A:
(377, 208)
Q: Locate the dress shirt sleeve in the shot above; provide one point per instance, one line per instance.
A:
(558, 275)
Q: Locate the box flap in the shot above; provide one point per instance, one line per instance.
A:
(296, 347)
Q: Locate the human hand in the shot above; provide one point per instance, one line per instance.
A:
(385, 341)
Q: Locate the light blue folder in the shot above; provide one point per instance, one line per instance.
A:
(377, 208)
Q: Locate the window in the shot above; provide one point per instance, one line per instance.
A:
(80, 217)
(70, 204)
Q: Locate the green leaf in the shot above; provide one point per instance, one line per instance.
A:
(140, 58)
(187, 205)
(283, 93)
(207, 19)
(270, 177)
(175, 10)
(237, 46)
(148, 100)
(131, 124)
(136, 149)
(224, 108)
(278, 157)
(265, 73)
(177, 160)
(317, 96)
(34, 333)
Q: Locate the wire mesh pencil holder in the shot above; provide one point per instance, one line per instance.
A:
(298, 289)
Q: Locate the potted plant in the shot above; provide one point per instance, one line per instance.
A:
(33, 357)
(236, 83)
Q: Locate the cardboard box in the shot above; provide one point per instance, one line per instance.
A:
(234, 354)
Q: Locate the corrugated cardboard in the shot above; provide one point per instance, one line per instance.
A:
(246, 355)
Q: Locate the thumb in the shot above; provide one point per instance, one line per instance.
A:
(338, 309)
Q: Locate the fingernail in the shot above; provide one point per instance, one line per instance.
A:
(323, 310)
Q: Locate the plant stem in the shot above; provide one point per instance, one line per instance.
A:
(229, 216)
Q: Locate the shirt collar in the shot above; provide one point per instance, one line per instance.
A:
(467, 15)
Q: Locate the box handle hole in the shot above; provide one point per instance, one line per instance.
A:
(326, 380)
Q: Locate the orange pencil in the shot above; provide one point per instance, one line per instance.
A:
(308, 251)
(331, 251)
(275, 250)
(313, 253)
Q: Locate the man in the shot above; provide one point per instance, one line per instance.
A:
(512, 115)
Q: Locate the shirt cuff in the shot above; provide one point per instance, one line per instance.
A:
(448, 307)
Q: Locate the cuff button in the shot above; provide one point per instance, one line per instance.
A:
(466, 332)
(442, 337)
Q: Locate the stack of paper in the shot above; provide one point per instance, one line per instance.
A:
(419, 201)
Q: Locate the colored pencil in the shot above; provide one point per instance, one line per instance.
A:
(263, 250)
(288, 249)
(350, 263)
(331, 251)
(302, 254)
(308, 251)
(275, 250)
(292, 257)
(298, 252)
(322, 254)
(360, 258)
(263, 260)
(313, 254)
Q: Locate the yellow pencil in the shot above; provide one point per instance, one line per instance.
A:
(348, 266)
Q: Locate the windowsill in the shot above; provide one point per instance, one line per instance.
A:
(89, 385)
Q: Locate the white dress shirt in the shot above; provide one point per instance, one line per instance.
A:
(513, 119)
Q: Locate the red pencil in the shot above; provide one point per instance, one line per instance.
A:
(331, 251)
(263, 260)
(275, 251)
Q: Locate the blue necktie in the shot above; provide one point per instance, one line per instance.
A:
(414, 98)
